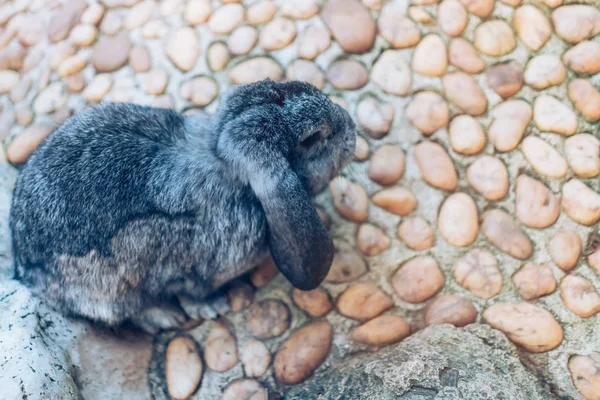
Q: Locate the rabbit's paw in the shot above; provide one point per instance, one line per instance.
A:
(209, 308)
(156, 319)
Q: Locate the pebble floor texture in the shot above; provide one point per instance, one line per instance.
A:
(474, 196)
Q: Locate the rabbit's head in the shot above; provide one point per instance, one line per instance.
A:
(287, 140)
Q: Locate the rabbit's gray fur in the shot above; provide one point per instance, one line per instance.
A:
(125, 207)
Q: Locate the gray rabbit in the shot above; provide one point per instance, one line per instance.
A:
(127, 212)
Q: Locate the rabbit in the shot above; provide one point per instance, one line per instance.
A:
(128, 213)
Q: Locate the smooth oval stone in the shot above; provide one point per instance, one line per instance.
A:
(544, 158)
(397, 200)
(576, 22)
(430, 56)
(583, 153)
(254, 70)
(256, 358)
(382, 331)
(466, 135)
(463, 56)
(494, 38)
(502, 231)
(363, 301)
(450, 309)
(509, 121)
(392, 73)
(347, 75)
(347, 264)
(585, 375)
(544, 71)
(478, 272)
(565, 247)
(418, 279)
(303, 352)
(532, 26)
(586, 98)
(458, 220)
(372, 240)
(581, 203)
(551, 115)
(535, 205)
(527, 325)
(220, 349)
(350, 199)
(183, 368)
(579, 296)
(416, 233)
(436, 166)
(462, 90)
(534, 280)
(428, 112)
(351, 25)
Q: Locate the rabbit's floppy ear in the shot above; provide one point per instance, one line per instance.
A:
(257, 143)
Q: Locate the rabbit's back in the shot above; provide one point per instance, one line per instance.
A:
(88, 178)
(110, 214)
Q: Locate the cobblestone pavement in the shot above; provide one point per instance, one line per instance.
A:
(474, 196)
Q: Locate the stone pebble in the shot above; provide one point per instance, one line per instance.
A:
(583, 58)
(586, 98)
(534, 281)
(466, 135)
(219, 57)
(489, 177)
(183, 48)
(313, 41)
(532, 26)
(585, 375)
(315, 303)
(506, 79)
(363, 302)
(347, 75)
(201, 90)
(397, 200)
(544, 71)
(350, 199)
(428, 112)
(300, 9)
(245, 389)
(197, 11)
(351, 24)
(254, 70)
(242, 40)
(392, 73)
(481, 8)
(226, 18)
(255, 358)
(97, 88)
(375, 117)
(544, 158)
(494, 38)
(450, 309)
(111, 53)
(583, 153)
(372, 240)
(565, 247)
(458, 220)
(418, 279)
(436, 166)
(303, 352)
(579, 296)
(382, 331)
(509, 121)
(552, 115)
(396, 28)
(387, 165)
(305, 71)
(277, 34)
(535, 204)
(268, 318)
(220, 349)
(420, 15)
(580, 203)
(462, 55)
(462, 90)
(452, 17)
(576, 22)
(183, 367)
(430, 56)
(25, 143)
(502, 232)
(416, 234)
(261, 12)
(156, 81)
(527, 325)
(347, 264)
(478, 272)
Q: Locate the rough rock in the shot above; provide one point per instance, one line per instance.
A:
(440, 362)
